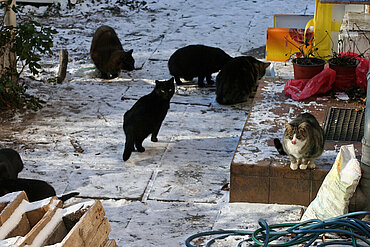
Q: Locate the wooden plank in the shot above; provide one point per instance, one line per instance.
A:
(31, 235)
(8, 211)
(100, 236)
(88, 224)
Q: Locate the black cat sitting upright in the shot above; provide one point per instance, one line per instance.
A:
(10, 163)
(238, 79)
(146, 117)
(108, 55)
(196, 61)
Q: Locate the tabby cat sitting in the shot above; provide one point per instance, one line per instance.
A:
(303, 141)
(146, 117)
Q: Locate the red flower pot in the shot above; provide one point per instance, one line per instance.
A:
(345, 77)
(306, 68)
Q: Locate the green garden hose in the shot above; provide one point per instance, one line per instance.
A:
(299, 233)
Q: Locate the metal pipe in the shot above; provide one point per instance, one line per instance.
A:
(361, 198)
(365, 158)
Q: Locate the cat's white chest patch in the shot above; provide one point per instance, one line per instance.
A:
(293, 149)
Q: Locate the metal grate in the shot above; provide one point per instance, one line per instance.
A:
(344, 124)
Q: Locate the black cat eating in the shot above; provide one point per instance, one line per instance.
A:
(10, 163)
(196, 61)
(108, 55)
(146, 117)
(238, 78)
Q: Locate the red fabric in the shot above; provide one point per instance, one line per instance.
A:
(361, 71)
(305, 88)
(342, 82)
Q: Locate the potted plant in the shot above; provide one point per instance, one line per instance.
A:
(305, 64)
(307, 67)
(344, 64)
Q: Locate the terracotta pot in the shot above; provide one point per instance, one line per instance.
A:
(345, 75)
(307, 71)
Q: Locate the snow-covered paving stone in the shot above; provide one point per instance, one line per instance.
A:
(111, 184)
(158, 223)
(191, 183)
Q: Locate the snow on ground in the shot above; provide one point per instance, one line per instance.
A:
(173, 189)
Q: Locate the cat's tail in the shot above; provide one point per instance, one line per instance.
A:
(279, 147)
(129, 146)
(65, 197)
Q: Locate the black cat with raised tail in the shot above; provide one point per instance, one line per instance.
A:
(146, 117)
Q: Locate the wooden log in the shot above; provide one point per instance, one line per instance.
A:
(54, 205)
(21, 229)
(63, 62)
(40, 227)
(86, 226)
(57, 235)
(100, 237)
(34, 216)
(10, 17)
(13, 213)
(3, 205)
(9, 210)
(8, 59)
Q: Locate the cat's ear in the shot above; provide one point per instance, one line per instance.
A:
(303, 126)
(172, 80)
(130, 52)
(156, 82)
(265, 65)
(287, 125)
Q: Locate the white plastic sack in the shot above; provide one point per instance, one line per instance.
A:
(337, 188)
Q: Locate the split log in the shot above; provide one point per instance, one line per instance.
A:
(63, 62)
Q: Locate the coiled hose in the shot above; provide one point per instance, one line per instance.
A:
(299, 233)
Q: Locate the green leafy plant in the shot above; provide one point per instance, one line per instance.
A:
(27, 42)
